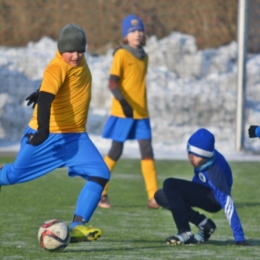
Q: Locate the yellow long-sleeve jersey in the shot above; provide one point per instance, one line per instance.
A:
(132, 84)
(72, 89)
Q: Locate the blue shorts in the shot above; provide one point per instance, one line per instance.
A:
(73, 150)
(122, 129)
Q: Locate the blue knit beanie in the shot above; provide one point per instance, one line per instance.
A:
(131, 23)
(201, 143)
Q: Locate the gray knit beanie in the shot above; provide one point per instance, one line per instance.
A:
(72, 38)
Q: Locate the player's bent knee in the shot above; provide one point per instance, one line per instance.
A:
(13, 176)
(161, 199)
(158, 195)
(170, 183)
(101, 181)
(102, 172)
(116, 150)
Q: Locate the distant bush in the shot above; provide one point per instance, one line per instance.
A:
(213, 23)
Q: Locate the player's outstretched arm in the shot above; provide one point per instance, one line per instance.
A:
(254, 131)
(230, 211)
(222, 195)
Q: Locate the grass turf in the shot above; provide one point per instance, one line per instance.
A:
(130, 230)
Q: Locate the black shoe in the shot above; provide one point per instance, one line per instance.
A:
(206, 231)
(181, 239)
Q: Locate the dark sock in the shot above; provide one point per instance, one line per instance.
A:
(78, 219)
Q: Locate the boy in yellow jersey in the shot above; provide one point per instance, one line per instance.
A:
(129, 117)
(56, 135)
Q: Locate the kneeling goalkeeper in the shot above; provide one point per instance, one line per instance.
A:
(210, 190)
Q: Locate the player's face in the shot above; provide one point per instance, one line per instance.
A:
(135, 38)
(195, 160)
(72, 58)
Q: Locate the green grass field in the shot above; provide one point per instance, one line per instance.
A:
(130, 230)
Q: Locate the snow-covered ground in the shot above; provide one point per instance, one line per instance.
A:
(187, 89)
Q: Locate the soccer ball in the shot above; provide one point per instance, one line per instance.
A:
(54, 235)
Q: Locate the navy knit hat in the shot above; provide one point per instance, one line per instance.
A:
(201, 143)
(72, 38)
(131, 23)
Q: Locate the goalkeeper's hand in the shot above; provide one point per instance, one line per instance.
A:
(254, 131)
(32, 99)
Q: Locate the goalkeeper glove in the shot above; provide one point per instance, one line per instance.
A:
(254, 131)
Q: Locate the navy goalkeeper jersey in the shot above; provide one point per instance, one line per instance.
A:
(218, 177)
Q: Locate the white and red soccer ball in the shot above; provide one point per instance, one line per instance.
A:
(54, 235)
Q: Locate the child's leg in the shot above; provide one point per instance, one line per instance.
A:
(91, 194)
(194, 216)
(113, 155)
(148, 167)
(88, 200)
(182, 195)
(32, 161)
(86, 161)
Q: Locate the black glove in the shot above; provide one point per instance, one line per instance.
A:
(37, 138)
(32, 99)
(242, 243)
(251, 131)
(127, 109)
